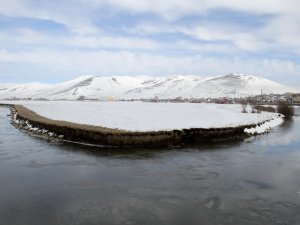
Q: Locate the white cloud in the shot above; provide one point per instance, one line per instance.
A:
(33, 38)
(281, 31)
(128, 63)
(176, 8)
(73, 14)
(139, 53)
(77, 13)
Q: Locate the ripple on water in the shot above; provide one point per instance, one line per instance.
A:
(259, 184)
(215, 203)
(35, 164)
(80, 183)
(203, 175)
(4, 159)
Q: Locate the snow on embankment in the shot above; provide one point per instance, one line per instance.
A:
(141, 117)
(266, 126)
(139, 124)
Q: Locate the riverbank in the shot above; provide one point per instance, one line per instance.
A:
(35, 124)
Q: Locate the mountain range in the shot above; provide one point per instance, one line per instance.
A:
(130, 87)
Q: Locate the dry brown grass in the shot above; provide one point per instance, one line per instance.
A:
(265, 108)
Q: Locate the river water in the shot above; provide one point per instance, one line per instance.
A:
(256, 181)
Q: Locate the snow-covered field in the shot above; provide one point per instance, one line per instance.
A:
(140, 116)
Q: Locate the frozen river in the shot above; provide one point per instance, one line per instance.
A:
(251, 182)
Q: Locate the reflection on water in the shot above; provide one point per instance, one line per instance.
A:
(251, 182)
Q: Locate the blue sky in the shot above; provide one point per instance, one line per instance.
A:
(53, 41)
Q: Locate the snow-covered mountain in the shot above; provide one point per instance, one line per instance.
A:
(129, 87)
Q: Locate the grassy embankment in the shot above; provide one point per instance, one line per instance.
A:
(114, 137)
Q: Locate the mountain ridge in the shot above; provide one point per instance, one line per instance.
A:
(137, 87)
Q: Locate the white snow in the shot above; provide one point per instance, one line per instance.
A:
(266, 126)
(128, 87)
(141, 116)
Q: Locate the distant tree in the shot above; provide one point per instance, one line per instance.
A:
(252, 105)
(244, 106)
(81, 98)
(285, 109)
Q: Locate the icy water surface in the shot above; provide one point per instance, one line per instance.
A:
(252, 182)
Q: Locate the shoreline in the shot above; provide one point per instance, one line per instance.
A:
(27, 120)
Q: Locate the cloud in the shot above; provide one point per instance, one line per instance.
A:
(32, 38)
(128, 63)
(274, 36)
(137, 37)
(77, 13)
(73, 14)
(173, 9)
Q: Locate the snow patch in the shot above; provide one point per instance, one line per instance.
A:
(25, 125)
(266, 126)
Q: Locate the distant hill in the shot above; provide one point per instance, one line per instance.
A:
(131, 87)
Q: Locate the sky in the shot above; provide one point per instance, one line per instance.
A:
(53, 41)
